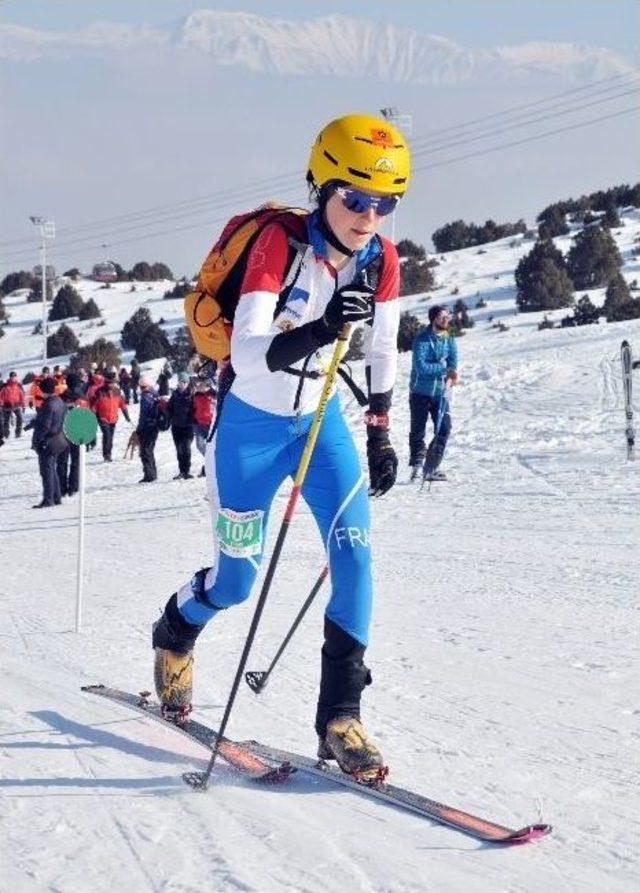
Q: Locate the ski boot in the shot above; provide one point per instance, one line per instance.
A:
(347, 742)
(429, 475)
(173, 641)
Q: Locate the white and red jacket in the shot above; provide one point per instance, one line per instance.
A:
(255, 327)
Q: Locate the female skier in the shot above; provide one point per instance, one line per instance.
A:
(358, 170)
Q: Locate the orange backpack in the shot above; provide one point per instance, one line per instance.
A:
(211, 307)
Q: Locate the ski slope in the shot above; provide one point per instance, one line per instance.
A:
(504, 643)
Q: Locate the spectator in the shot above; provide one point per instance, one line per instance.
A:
(435, 364)
(135, 380)
(163, 381)
(125, 383)
(68, 462)
(181, 415)
(1, 426)
(48, 441)
(36, 395)
(106, 402)
(13, 402)
(147, 430)
(204, 404)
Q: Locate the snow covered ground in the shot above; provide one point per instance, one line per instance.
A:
(503, 644)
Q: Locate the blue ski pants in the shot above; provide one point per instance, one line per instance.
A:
(251, 454)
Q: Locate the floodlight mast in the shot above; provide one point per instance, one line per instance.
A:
(404, 122)
(47, 230)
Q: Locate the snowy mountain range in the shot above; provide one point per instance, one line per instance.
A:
(333, 45)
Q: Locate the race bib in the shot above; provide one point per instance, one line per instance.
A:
(240, 533)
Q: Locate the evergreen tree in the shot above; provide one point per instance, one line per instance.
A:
(63, 341)
(89, 310)
(153, 344)
(35, 295)
(593, 258)
(3, 312)
(410, 327)
(552, 222)
(415, 277)
(180, 290)
(182, 350)
(611, 219)
(407, 248)
(161, 271)
(141, 271)
(541, 279)
(19, 279)
(102, 352)
(585, 313)
(134, 329)
(618, 303)
(460, 318)
(65, 304)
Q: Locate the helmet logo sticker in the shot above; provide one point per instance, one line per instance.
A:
(383, 166)
(381, 138)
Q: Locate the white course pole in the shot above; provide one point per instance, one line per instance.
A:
(83, 453)
(44, 298)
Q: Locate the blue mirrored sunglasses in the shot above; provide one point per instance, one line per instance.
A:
(359, 202)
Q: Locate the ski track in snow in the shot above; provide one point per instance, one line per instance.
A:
(503, 649)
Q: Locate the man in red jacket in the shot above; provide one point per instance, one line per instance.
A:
(106, 403)
(13, 401)
(204, 407)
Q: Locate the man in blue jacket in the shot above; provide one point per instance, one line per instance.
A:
(435, 364)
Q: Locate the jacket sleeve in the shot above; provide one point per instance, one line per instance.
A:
(452, 359)
(381, 337)
(253, 343)
(423, 360)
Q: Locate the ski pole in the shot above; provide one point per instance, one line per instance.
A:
(257, 679)
(200, 780)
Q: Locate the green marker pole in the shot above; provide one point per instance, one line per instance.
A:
(80, 427)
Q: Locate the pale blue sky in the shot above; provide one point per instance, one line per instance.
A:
(611, 23)
(90, 135)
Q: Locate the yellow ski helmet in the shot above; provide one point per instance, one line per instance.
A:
(361, 150)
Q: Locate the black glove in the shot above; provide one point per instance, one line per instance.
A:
(351, 303)
(383, 462)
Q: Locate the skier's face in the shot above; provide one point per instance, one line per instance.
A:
(353, 228)
(442, 320)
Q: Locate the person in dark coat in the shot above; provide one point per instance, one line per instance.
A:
(135, 380)
(47, 436)
(124, 379)
(147, 430)
(182, 427)
(68, 462)
(163, 381)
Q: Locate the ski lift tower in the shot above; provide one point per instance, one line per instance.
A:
(404, 122)
(47, 230)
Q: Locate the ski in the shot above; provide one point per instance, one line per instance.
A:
(459, 820)
(237, 756)
(269, 764)
(627, 367)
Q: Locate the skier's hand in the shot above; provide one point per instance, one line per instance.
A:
(383, 462)
(351, 303)
(452, 376)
